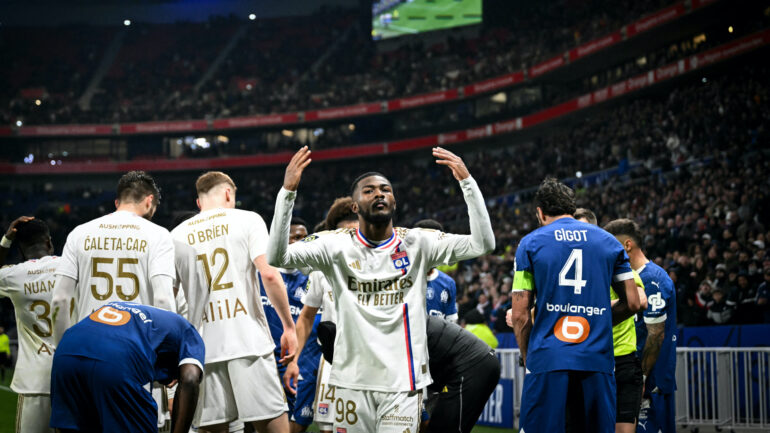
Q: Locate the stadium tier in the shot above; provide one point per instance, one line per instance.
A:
(650, 116)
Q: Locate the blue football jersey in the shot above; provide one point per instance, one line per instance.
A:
(144, 342)
(296, 286)
(441, 295)
(661, 307)
(568, 265)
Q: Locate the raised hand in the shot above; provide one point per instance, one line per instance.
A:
(11, 233)
(454, 162)
(298, 162)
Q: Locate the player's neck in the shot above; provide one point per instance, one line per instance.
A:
(637, 259)
(213, 204)
(133, 208)
(36, 253)
(376, 232)
(547, 219)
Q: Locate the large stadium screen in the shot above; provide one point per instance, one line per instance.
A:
(392, 18)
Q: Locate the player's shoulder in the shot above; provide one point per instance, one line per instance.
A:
(325, 235)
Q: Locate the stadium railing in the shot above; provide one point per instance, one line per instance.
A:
(723, 387)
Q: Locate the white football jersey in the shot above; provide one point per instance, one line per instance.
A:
(191, 283)
(113, 258)
(379, 291)
(320, 295)
(227, 241)
(30, 285)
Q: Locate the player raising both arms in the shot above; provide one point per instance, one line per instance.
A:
(568, 266)
(378, 275)
(29, 287)
(240, 381)
(118, 257)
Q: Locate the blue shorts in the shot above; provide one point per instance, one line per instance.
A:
(94, 396)
(301, 405)
(659, 416)
(584, 400)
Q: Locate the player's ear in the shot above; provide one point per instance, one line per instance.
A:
(354, 207)
(117, 203)
(198, 203)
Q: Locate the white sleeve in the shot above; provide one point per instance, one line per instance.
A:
(68, 262)
(310, 253)
(161, 257)
(447, 249)
(257, 235)
(163, 292)
(6, 286)
(316, 287)
(63, 294)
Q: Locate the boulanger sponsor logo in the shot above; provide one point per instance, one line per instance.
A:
(572, 329)
(575, 309)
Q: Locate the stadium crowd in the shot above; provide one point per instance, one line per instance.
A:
(262, 75)
(686, 166)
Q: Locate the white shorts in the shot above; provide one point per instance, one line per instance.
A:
(244, 389)
(33, 412)
(357, 411)
(324, 397)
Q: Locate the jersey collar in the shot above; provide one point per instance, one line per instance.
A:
(380, 246)
(641, 268)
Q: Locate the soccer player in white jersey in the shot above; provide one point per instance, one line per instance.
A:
(121, 256)
(378, 276)
(29, 285)
(320, 295)
(240, 380)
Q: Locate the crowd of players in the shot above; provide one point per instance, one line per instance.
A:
(338, 80)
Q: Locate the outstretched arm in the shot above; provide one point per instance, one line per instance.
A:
(63, 293)
(454, 248)
(299, 254)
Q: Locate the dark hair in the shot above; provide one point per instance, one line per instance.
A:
(473, 317)
(32, 232)
(134, 186)
(429, 224)
(582, 212)
(297, 221)
(341, 210)
(184, 216)
(354, 185)
(555, 198)
(625, 227)
(321, 226)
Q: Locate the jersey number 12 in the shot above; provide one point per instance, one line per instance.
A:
(576, 258)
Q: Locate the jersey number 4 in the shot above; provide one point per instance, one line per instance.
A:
(576, 259)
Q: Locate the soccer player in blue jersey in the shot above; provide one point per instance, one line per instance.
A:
(441, 295)
(655, 335)
(104, 367)
(301, 403)
(568, 265)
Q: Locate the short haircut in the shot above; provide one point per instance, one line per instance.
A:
(355, 183)
(135, 186)
(429, 224)
(184, 216)
(555, 198)
(582, 212)
(321, 226)
(297, 221)
(340, 211)
(32, 232)
(211, 179)
(625, 227)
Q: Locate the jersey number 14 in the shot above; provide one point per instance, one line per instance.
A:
(576, 259)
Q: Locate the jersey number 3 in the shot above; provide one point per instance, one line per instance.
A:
(576, 259)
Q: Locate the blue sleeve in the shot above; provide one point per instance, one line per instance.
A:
(657, 297)
(452, 307)
(523, 277)
(622, 269)
(191, 347)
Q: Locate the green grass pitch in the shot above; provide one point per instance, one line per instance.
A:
(424, 15)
